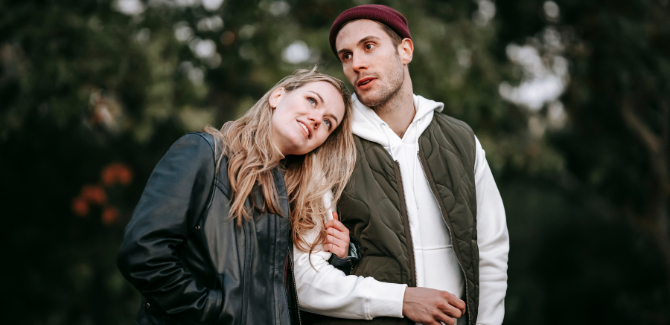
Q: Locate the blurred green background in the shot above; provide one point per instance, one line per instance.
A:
(570, 99)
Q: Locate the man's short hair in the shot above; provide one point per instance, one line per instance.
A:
(396, 39)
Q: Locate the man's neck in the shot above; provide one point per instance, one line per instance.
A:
(399, 111)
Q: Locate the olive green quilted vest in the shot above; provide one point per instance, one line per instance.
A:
(373, 208)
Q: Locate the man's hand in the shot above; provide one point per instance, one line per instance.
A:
(430, 306)
(337, 238)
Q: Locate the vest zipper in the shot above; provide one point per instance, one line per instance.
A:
(445, 218)
(405, 221)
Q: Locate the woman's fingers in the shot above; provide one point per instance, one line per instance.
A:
(343, 237)
(337, 239)
(337, 225)
(336, 246)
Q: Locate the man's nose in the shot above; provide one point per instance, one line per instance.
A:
(359, 62)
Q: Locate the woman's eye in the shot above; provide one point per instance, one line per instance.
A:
(346, 56)
(327, 123)
(311, 101)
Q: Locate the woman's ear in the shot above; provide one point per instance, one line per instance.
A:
(275, 97)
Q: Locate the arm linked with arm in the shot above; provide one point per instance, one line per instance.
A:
(177, 190)
(326, 290)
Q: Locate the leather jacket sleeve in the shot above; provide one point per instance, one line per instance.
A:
(177, 193)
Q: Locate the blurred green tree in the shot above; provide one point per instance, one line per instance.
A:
(615, 147)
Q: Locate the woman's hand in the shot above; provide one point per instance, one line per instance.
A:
(337, 239)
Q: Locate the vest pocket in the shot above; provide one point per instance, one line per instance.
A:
(382, 268)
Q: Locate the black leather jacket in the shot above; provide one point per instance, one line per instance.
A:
(191, 262)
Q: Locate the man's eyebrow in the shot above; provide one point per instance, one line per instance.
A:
(368, 38)
(317, 94)
(363, 40)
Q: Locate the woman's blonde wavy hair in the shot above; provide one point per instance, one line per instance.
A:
(252, 156)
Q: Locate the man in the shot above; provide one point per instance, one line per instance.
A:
(422, 201)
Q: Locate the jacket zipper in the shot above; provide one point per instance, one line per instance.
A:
(445, 218)
(405, 221)
(295, 291)
(247, 263)
(290, 258)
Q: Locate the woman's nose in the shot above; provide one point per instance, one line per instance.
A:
(316, 120)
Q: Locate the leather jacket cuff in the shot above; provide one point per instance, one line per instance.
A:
(347, 264)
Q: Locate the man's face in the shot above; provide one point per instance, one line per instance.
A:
(370, 61)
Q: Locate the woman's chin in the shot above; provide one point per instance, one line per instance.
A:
(295, 150)
(302, 150)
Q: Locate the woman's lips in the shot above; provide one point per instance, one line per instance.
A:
(305, 130)
(366, 83)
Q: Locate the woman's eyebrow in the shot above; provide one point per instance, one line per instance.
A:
(334, 118)
(317, 94)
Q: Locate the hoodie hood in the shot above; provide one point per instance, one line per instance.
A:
(369, 126)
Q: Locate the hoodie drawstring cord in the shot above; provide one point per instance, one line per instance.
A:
(388, 140)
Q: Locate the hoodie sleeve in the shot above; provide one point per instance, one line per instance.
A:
(493, 242)
(326, 290)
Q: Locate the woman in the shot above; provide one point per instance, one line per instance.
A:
(210, 240)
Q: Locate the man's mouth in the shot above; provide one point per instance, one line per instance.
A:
(306, 129)
(364, 81)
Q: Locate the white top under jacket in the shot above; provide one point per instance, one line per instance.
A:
(323, 289)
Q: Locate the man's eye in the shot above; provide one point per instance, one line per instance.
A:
(369, 46)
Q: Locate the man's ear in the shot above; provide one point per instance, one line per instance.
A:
(275, 97)
(406, 50)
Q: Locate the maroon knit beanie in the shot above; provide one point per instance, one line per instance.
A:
(383, 14)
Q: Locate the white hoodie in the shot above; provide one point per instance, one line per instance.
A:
(326, 290)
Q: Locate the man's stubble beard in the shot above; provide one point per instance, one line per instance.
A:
(389, 91)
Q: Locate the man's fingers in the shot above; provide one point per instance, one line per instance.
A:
(458, 303)
(430, 306)
(450, 310)
(444, 319)
(453, 300)
(431, 322)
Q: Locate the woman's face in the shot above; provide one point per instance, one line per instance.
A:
(305, 117)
